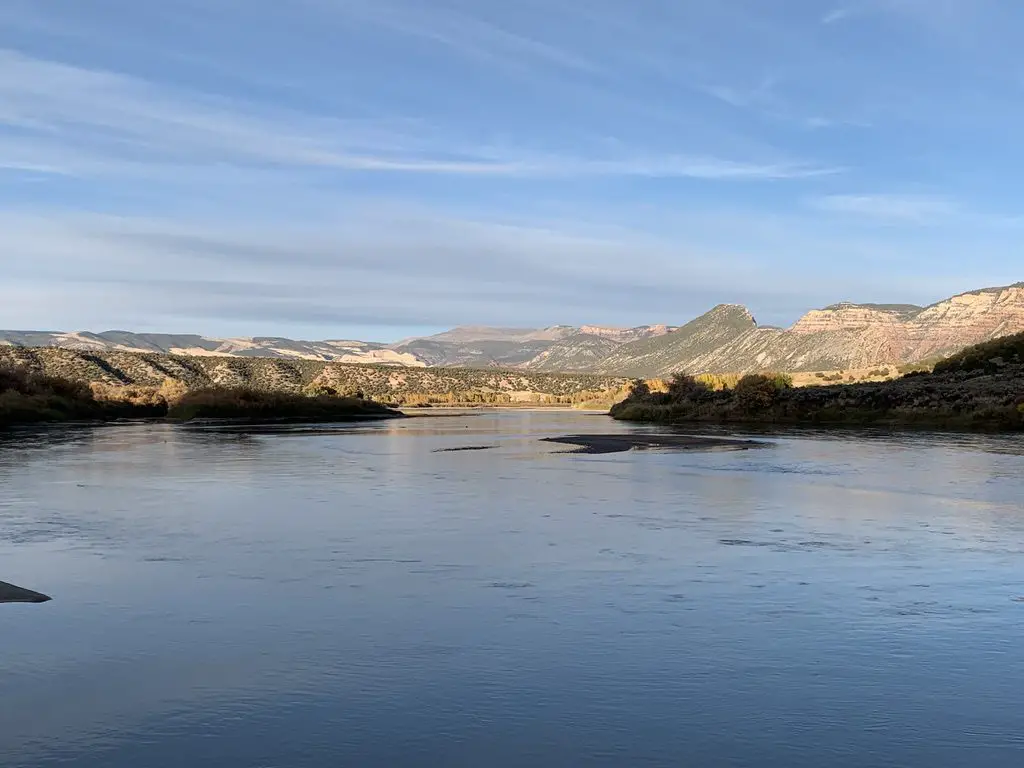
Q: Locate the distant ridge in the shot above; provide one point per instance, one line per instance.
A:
(726, 339)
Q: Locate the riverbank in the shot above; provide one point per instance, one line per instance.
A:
(31, 398)
(252, 405)
(981, 388)
(403, 387)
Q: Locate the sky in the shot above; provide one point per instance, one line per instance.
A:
(378, 169)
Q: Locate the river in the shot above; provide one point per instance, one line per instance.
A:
(359, 596)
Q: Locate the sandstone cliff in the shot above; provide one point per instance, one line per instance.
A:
(840, 337)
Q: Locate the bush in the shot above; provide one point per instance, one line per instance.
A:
(640, 390)
(683, 387)
(28, 397)
(248, 403)
(172, 391)
(719, 381)
(758, 392)
(986, 358)
(320, 389)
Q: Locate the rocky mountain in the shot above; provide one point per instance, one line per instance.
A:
(483, 353)
(571, 349)
(192, 345)
(726, 339)
(839, 337)
(469, 334)
(558, 348)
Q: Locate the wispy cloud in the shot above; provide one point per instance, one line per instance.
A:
(367, 265)
(891, 208)
(79, 121)
(387, 265)
(837, 15)
(270, 146)
(762, 95)
(468, 35)
(372, 266)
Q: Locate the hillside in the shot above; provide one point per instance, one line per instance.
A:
(981, 387)
(379, 382)
(194, 345)
(29, 396)
(842, 336)
(559, 348)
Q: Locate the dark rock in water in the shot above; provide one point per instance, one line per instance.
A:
(620, 442)
(12, 594)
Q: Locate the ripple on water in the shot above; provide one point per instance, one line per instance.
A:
(311, 596)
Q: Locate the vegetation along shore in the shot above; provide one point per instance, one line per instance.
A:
(28, 397)
(981, 387)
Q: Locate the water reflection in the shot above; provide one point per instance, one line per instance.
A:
(350, 595)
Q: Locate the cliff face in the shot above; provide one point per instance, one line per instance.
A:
(872, 335)
(839, 337)
(849, 317)
(625, 335)
(963, 320)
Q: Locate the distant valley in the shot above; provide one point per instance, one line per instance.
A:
(725, 339)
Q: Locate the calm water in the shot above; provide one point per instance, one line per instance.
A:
(351, 597)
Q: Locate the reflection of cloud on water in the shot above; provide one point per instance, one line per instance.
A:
(201, 574)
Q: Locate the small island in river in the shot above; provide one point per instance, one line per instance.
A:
(981, 388)
(619, 443)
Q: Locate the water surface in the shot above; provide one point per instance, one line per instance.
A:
(358, 596)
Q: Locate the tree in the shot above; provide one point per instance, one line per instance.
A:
(757, 392)
(639, 390)
(684, 387)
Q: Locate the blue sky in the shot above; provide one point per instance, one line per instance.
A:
(384, 168)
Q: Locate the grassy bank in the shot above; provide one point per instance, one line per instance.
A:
(28, 397)
(980, 388)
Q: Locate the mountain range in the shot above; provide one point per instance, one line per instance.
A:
(725, 339)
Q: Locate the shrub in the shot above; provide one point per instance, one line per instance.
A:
(27, 397)
(640, 390)
(758, 392)
(986, 358)
(683, 387)
(130, 395)
(320, 389)
(248, 403)
(172, 391)
(719, 381)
